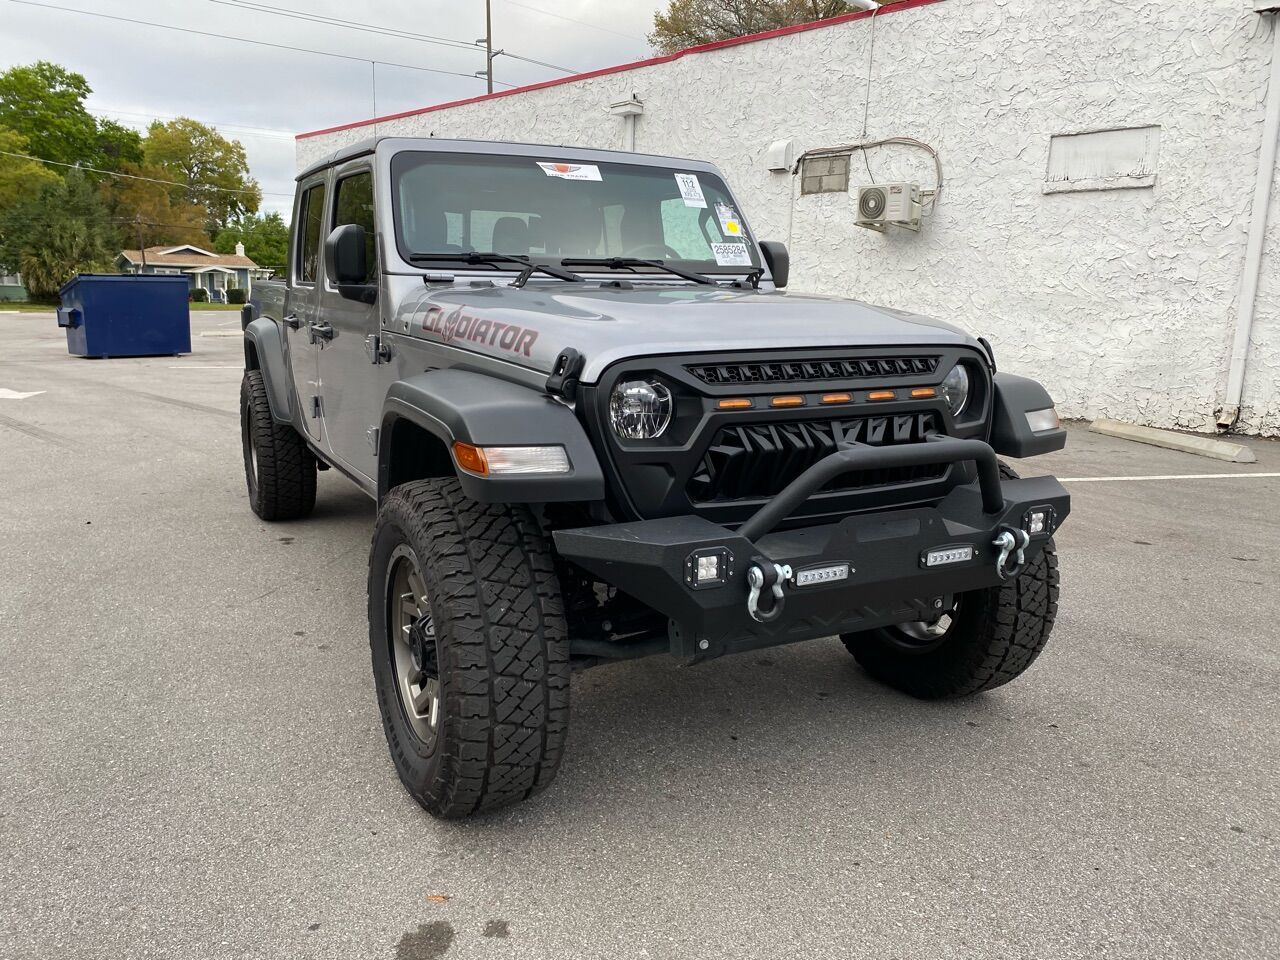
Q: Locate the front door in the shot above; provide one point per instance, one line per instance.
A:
(304, 271)
(351, 378)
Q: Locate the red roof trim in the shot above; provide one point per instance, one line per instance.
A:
(623, 67)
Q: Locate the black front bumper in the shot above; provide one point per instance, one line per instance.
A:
(888, 579)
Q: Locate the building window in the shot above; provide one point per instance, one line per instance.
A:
(829, 174)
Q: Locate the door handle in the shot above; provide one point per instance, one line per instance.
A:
(320, 330)
(291, 321)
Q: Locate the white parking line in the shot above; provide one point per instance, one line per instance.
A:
(206, 366)
(1173, 476)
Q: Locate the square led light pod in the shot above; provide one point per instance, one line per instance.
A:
(1039, 521)
(708, 567)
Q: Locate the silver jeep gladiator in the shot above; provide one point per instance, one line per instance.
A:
(597, 428)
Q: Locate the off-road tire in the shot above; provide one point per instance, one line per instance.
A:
(996, 635)
(283, 487)
(502, 649)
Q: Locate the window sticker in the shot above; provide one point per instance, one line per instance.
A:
(690, 190)
(730, 225)
(570, 171)
(731, 254)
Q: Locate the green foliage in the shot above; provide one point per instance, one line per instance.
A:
(265, 239)
(53, 235)
(20, 178)
(199, 295)
(214, 170)
(118, 146)
(687, 23)
(237, 295)
(45, 103)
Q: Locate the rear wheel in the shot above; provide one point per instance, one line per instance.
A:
(279, 467)
(980, 640)
(469, 647)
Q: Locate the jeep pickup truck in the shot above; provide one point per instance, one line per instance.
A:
(597, 427)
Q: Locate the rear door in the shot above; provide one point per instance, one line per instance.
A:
(305, 269)
(352, 381)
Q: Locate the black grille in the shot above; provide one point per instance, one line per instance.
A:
(793, 371)
(759, 460)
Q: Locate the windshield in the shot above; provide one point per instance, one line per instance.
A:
(553, 210)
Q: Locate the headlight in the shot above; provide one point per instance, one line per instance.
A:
(640, 409)
(955, 389)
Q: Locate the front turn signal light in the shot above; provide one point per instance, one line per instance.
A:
(837, 398)
(923, 393)
(791, 401)
(509, 461)
(881, 395)
(734, 403)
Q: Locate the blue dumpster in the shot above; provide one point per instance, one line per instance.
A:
(118, 315)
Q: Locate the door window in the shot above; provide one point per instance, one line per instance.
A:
(353, 203)
(311, 220)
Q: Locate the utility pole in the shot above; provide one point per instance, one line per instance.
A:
(488, 43)
(489, 52)
(142, 246)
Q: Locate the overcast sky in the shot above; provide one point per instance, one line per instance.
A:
(262, 96)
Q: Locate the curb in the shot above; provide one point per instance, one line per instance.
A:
(1186, 443)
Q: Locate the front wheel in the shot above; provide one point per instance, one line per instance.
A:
(469, 646)
(982, 640)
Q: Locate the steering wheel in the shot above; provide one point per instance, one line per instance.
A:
(663, 251)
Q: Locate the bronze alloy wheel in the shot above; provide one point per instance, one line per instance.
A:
(412, 637)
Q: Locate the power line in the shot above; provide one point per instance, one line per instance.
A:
(548, 13)
(275, 132)
(385, 31)
(222, 36)
(131, 176)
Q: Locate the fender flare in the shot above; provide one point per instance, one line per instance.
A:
(1011, 435)
(482, 410)
(268, 349)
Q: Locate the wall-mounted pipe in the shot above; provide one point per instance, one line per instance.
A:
(1229, 412)
(630, 110)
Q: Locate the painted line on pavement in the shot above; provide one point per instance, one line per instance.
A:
(1171, 476)
(206, 366)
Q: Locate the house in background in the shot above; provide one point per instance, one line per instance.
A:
(215, 272)
(11, 288)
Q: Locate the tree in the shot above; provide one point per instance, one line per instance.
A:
(52, 236)
(213, 170)
(45, 103)
(20, 178)
(265, 239)
(687, 23)
(148, 215)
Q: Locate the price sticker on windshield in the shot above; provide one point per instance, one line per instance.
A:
(571, 171)
(690, 190)
(730, 225)
(731, 254)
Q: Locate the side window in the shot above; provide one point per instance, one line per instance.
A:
(310, 223)
(353, 203)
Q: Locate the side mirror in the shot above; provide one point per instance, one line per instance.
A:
(346, 258)
(777, 260)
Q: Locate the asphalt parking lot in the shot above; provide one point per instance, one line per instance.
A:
(192, 763)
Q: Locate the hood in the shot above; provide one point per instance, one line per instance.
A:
(532, 324)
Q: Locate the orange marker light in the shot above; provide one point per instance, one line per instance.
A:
(737, 403)
(837, 397)
(881, 395)
(470, 458)
(924, 393)
(791, 401)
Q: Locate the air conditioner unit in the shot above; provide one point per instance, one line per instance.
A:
(889, 204)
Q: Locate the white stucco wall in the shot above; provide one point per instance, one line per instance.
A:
(1122, 302)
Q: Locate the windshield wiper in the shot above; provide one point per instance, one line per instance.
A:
(623, 262)
(527, 269)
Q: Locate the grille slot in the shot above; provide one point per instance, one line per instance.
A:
(795, 371)
(753, 461)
